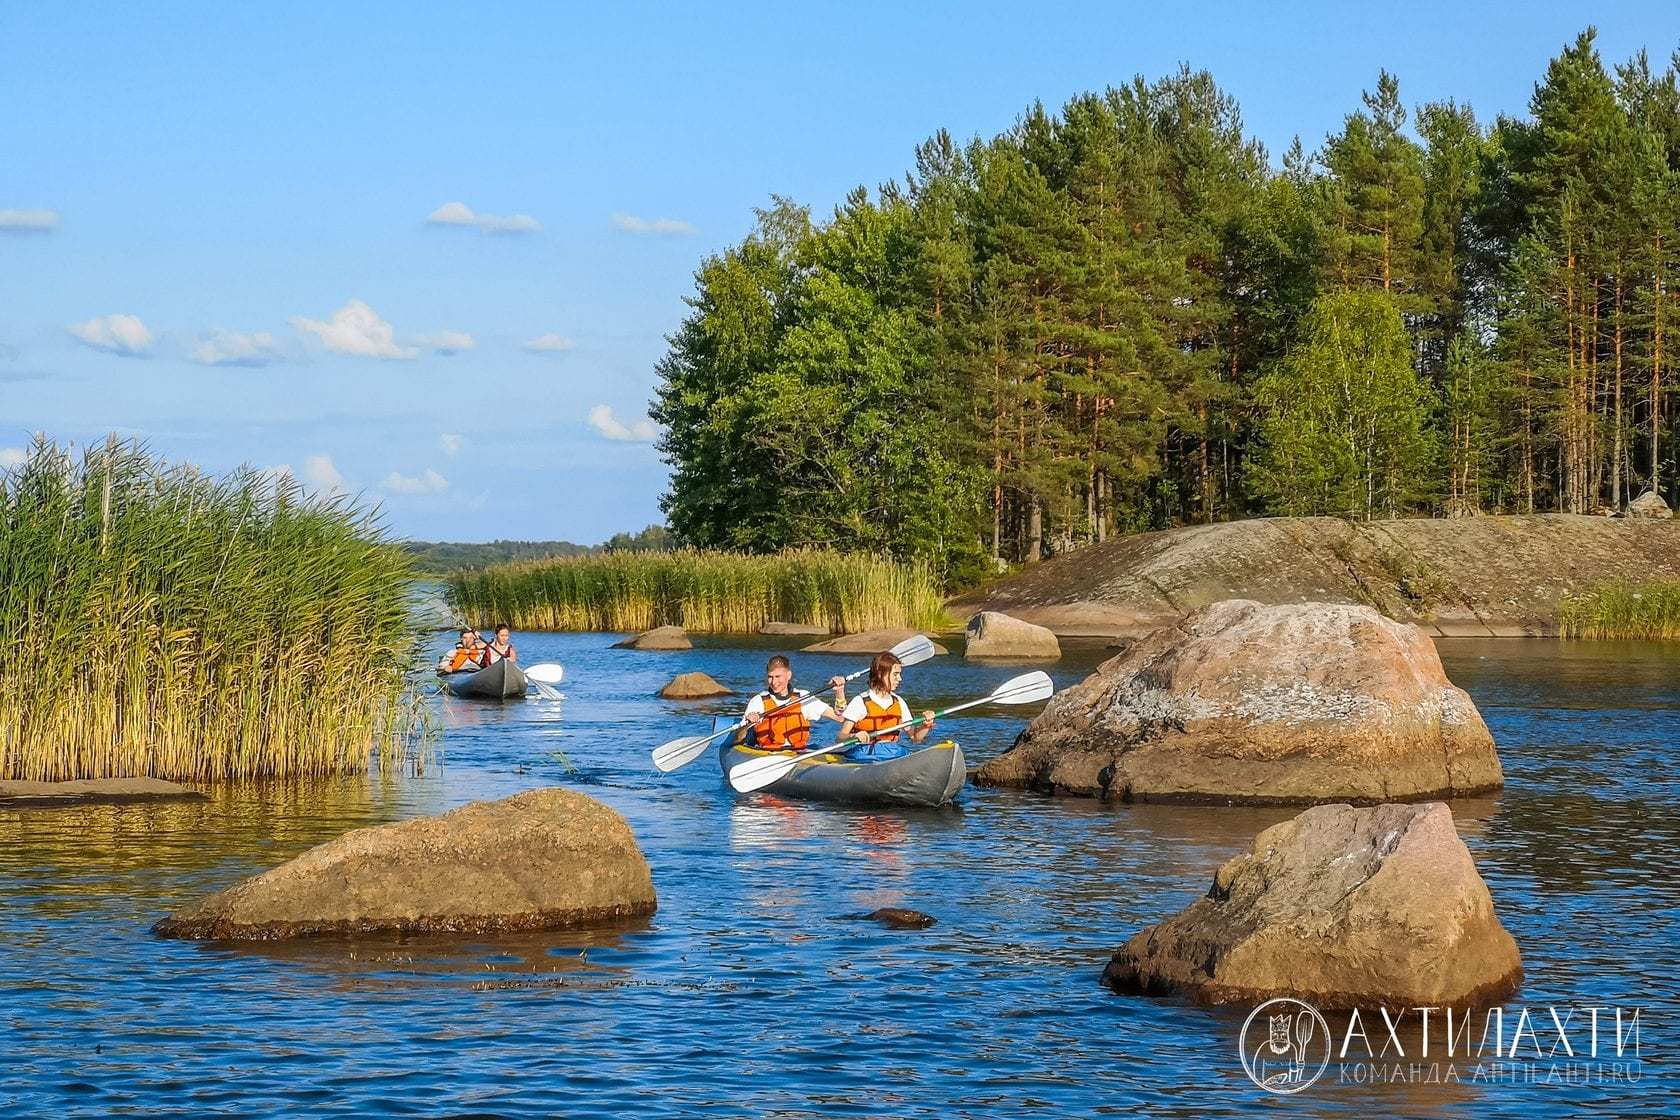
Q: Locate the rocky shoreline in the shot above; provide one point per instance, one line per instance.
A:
(1484, 577)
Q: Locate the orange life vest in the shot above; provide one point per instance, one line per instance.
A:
(460, 659)
(876, 716)
(783, 730)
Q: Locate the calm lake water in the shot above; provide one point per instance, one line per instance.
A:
(747, 993)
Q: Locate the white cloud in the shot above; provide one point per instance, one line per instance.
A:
(28, 221)
(235, 348)
(460, 214)
(656, 227)
(320, 475)
(358, 330)
(550, 343)
(115, 334)
(451, 444)
(448, 342)
(601, 418)
(427, 482)
(12, 457)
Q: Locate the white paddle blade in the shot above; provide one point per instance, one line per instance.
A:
(545, 672)
(544, 691)
(756, 773)
(1028, 688)
(680, 752)
(913, 650)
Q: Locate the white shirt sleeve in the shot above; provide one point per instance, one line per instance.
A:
(854, 709)
(904, 711)
(755, 706)
(813, 707)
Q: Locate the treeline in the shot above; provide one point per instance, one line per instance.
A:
(1121, 316)
(443, 557)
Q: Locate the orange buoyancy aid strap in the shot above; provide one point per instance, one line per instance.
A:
(877, 716)
(782, 728)
(459, 659)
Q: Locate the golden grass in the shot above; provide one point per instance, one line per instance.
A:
(160, 622)
(721, 592)
(1623, 610)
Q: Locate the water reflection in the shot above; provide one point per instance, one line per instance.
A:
(995, 1010)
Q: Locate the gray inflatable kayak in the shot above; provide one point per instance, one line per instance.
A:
(929, 776)
(502, 681)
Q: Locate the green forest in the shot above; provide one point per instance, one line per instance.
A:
(1124, 315)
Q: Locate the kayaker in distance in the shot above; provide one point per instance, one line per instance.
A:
(467, 656)
(879, 708)
(774, 724)
(502, 648)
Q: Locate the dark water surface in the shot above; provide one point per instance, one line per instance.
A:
(746, 994)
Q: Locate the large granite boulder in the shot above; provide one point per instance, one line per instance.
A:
(1341, 907)
(994, 634)
(868, 641)
(693, 686)
(93, 791)
(659, 638)
(1240, 702)
(1650, 504)
(540, 859)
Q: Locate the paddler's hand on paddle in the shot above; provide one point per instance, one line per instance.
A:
(925, 730)
(838, 684)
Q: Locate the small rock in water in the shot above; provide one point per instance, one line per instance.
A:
(659, 638)
(693, 686)
(894, 917)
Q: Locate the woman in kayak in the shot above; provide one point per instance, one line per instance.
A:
(502, 648)
(775, 721)
(466, 657)
(871, 715)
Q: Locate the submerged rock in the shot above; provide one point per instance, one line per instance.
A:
(993, 634)
(1341, 907)
(792, 629)
(545, 858)
(693, 686)
(1240, 702)
(868, 641)
(894, 917)
(93, 791)
(659, 638)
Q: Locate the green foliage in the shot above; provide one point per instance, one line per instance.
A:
(437, 558)
(1650, 611)
(159, 622)
(1347, 417)
(1102, 320)
(701, 591)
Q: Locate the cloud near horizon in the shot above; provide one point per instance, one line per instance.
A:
(28, 221)
(356, 329)
(426, 482)
(550, 343)
(123, 335)
(601, 418)
(235, 348)
(653, 227)
(460, 214)
(12, 457)
(451, 443)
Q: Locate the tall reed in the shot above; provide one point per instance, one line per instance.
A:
(160, 622)
(702, 591)
(1623, 610)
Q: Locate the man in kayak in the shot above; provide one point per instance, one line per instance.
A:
(467, 656)
(871, 715)
(502, 648)
(780, 718)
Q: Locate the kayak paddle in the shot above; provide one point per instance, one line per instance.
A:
(680, 752)
(545, 672)
(756, 773)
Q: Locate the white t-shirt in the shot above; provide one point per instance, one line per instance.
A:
(856, 711)
(814, 707)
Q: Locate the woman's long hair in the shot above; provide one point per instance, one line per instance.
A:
(880, 670)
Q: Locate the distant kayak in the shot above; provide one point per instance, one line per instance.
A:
(502, 681)
(929, 776)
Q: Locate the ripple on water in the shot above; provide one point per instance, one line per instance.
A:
(746, 993)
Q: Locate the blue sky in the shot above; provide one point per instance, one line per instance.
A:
(217, 231)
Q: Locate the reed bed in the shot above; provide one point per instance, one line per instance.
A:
(160, 622)
(717, 592)
(1624, 610)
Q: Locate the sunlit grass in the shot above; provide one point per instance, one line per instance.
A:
(1623, 610)
(702, 591)
(161, 622)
